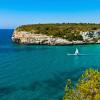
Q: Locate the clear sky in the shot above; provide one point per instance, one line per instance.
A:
(17, 12)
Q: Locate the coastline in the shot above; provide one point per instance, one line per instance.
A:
(26, 38)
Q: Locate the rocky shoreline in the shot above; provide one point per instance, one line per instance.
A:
(27, 38)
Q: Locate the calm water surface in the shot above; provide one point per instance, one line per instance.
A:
(40, 72)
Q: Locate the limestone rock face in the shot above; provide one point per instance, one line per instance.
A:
(23, 37)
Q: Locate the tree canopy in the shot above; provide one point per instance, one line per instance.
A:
(88, 87)
(70, 31)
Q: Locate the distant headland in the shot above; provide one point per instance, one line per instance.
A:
(57, 34)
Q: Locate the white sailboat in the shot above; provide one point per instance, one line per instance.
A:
(76, 52)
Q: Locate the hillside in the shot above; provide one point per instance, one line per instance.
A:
(69, 31)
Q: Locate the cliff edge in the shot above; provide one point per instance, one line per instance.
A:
(57, 34)
(24, 37)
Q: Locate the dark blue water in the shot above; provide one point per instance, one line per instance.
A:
(40, 72)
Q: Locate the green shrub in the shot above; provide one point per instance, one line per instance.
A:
(88, 87)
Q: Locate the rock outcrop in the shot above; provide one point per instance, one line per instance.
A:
(23, 37)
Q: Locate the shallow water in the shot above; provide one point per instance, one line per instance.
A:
(40, 72)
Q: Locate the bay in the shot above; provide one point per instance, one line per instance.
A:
(40, 72)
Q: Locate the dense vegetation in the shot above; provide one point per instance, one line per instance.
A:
(88, 87)
(68, 31)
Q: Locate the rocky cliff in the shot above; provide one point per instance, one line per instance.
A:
(23, 37)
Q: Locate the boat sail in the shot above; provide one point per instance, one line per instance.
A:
(76, 52)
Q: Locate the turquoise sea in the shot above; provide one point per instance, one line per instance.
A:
(40, 72)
